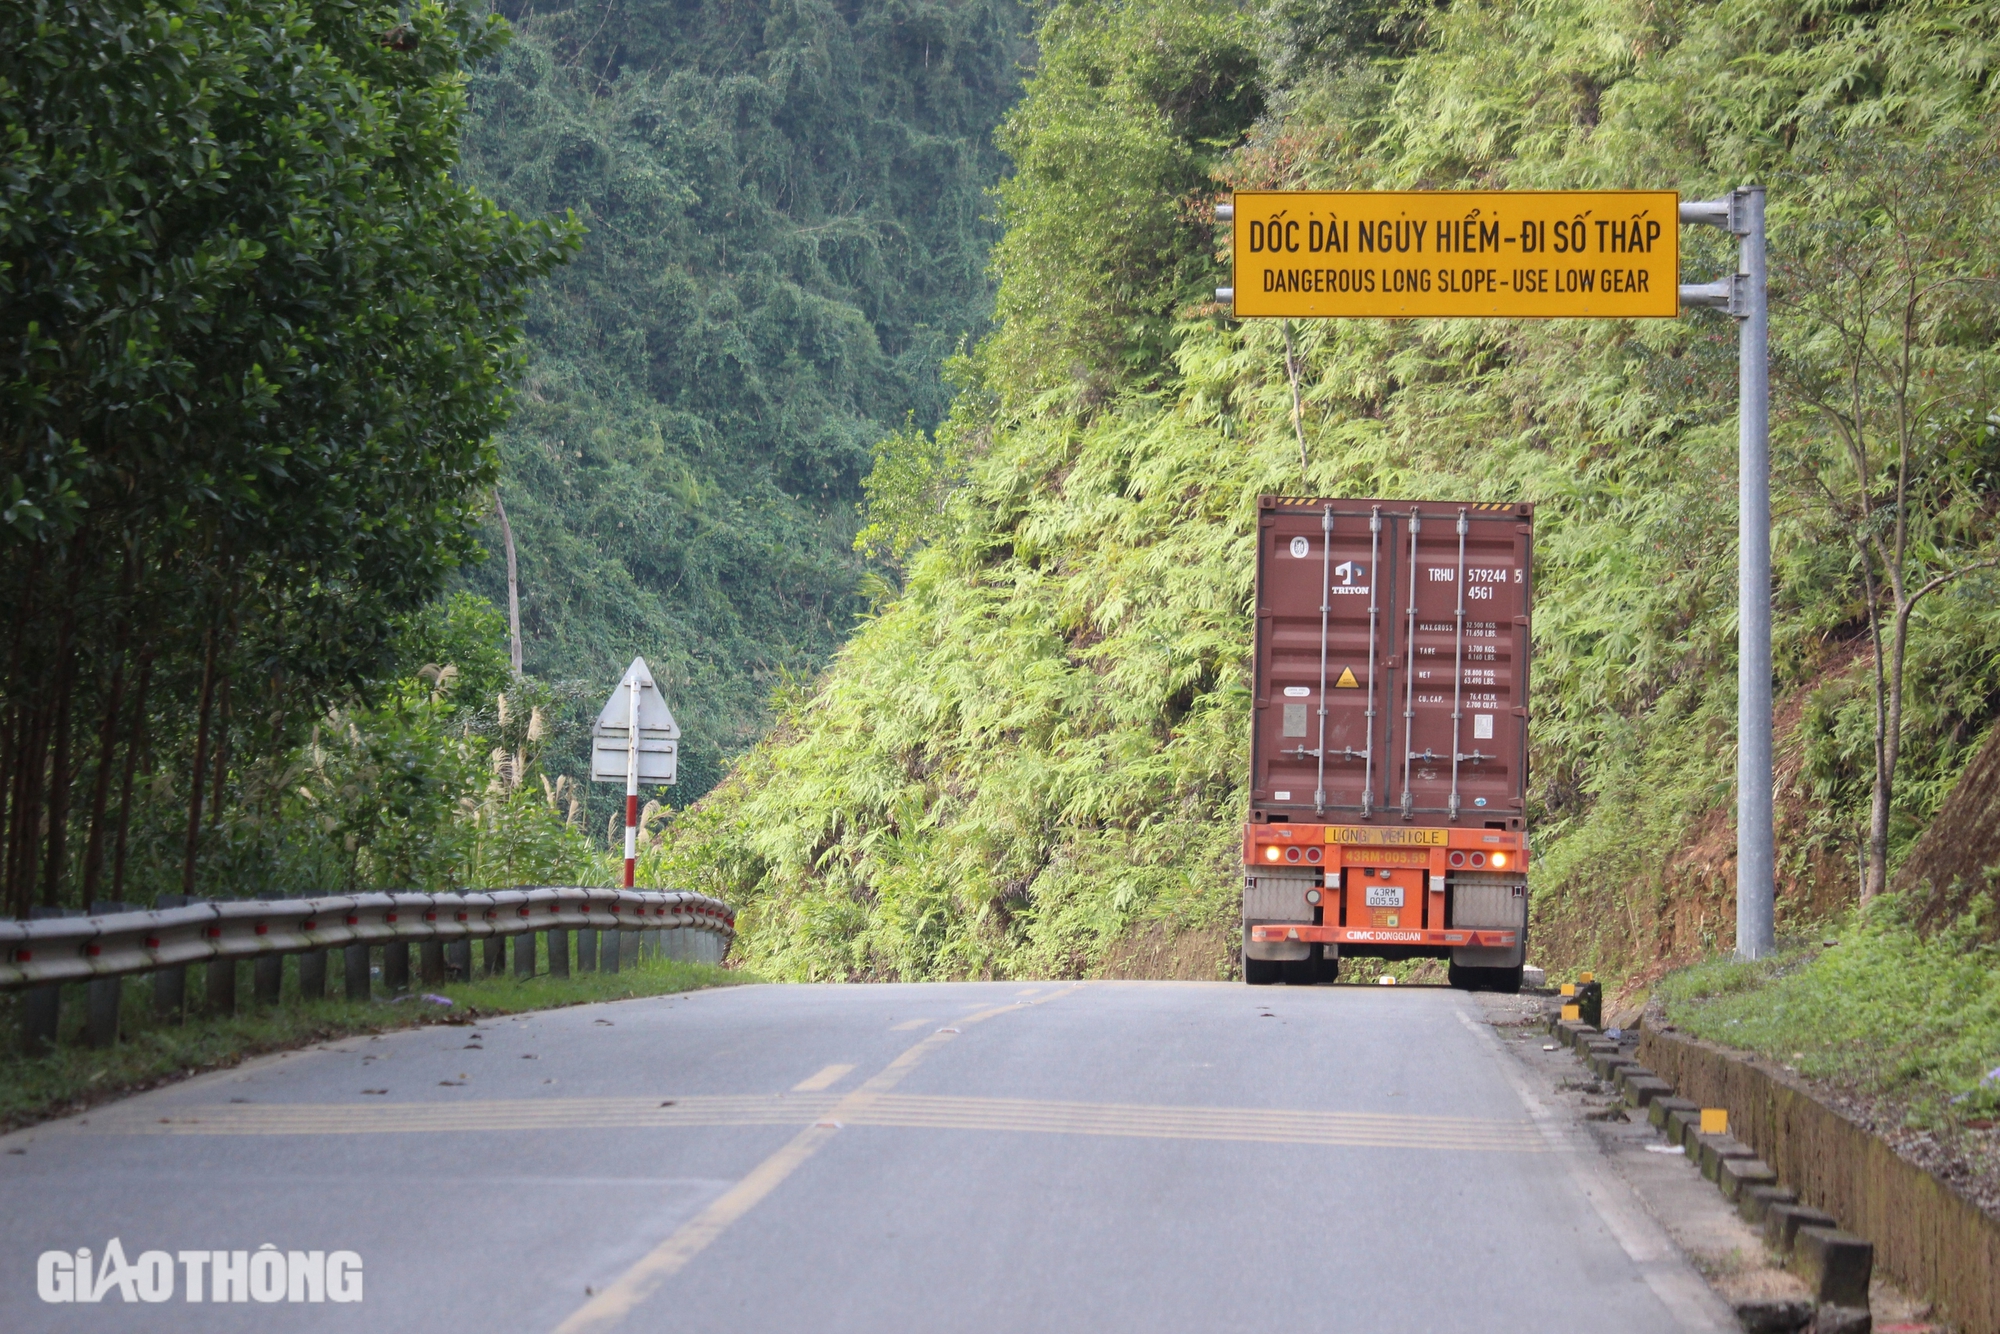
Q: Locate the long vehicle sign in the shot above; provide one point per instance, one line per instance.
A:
(1394, 254)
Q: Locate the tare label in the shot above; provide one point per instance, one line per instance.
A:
(1605, 254)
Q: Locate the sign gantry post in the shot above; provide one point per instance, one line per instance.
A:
(636, 741)
(1551, 254)
(1743, 295)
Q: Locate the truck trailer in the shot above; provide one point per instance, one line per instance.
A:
(1388, 756)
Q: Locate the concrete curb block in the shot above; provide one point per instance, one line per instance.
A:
(1711, 1151)
(1834, 1264)
(1736, 1175)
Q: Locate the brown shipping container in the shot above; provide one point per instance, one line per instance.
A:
(1401, 696)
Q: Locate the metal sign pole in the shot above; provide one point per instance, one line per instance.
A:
(634, 743)
(1744, 295)
(632, 788)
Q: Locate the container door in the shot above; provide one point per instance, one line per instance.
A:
(1459, 595)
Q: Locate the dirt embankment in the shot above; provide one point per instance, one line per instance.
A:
(1685, 909)
(1201, 955)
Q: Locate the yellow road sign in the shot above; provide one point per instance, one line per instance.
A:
(1399, 254)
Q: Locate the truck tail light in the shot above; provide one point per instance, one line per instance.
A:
(1500, 860)
(1271, 854)
(1313, 855)
(1478, 859)
(1291, 854)
(1457, 859)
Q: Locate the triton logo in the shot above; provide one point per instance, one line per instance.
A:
(266, 1274)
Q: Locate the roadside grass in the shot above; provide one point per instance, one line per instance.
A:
(152, 1051)
(1883, 1011)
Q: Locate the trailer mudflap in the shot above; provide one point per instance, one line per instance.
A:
(1376, 935)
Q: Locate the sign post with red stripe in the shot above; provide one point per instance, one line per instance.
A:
(636, 741)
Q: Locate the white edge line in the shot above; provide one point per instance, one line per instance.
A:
(1680, 1288)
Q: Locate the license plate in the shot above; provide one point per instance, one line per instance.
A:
(1379, 897)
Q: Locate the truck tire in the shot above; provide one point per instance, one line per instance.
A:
(1260, 972)
(1505, 980)
(1299, 972)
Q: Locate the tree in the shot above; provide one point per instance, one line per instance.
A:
(1888, 295)
(255, 340)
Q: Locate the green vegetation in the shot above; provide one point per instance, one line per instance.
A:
(266, 336)
(1876, 1007)
(256, 342)
(787, 234)
(1036, 747)
(35, 1088)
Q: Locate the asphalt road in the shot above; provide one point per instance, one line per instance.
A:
(964, 1157)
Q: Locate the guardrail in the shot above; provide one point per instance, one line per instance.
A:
(40, 955)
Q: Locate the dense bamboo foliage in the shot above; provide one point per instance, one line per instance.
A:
(1038, 747)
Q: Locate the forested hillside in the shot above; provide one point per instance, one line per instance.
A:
(787, 229)
(1035, 754)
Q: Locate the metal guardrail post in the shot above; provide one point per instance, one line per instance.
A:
(458, 960)
(524, 955)
(495, 948)
(41, 1019)
(218, 996)
(430, 962)
(357, 984)
(586, 951)
(396, 967)
(628, 949)
(558, 953)
(170, 994)
(608, 950)
(267, 979)
(312, 975)
(100, 1016)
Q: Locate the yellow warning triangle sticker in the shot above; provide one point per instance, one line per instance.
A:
(1347, 681)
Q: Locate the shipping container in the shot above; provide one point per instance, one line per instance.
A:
(1389, 742)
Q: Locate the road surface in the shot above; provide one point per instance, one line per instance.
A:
(958, 1157)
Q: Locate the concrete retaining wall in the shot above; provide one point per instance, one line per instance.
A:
(1928, 1239)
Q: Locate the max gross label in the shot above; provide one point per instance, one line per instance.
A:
(1445, 253)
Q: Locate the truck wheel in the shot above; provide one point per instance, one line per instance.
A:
(1260, 972)
(1470, 979)
(1506, 980)
(1329, 970)
(1300, 972)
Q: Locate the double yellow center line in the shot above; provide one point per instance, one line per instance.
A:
(1254, 1125)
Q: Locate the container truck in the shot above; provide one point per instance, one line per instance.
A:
(1388, 756)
